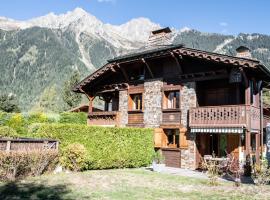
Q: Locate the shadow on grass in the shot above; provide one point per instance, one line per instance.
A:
(29, 191)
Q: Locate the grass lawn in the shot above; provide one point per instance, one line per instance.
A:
(125, 184)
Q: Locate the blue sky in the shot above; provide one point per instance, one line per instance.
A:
(220, 16)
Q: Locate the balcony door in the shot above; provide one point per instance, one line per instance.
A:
(219, 96)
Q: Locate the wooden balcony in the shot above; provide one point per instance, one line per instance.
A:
(225, 116)
(171, 117)
(103, 118)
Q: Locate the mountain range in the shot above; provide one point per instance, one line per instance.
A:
(40, 54)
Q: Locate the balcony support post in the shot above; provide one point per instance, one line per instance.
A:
(247, 143)
(91, 98)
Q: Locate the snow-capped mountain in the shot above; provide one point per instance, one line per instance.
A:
(41, 53)
(134, 31)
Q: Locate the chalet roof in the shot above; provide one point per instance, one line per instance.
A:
(165, 30)
(167, 50)
(242, 49)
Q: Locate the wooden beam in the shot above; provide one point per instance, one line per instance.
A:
(244, 76)
(177, 62)
(148, 67)
(123, 72)
(90, 110)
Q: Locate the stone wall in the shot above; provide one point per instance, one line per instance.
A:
(153, 103)
(123, 107)
(188, 100)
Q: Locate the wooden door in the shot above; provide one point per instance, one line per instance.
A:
(220, 96)
(233, 145)
(202, 147)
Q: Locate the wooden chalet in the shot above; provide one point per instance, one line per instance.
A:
(199, 103)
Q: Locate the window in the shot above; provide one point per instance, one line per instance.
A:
(172, 100)
(136, 101)
(172, 137)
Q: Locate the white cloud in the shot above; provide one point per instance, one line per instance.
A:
(106, 1)
(223, 24)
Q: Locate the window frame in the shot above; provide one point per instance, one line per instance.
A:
(175, 134)
(166, 94)
(132, 104)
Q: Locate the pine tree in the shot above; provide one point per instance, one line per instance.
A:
(8, 103)
(71, 98)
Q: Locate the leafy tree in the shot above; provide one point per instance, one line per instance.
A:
(266, 96)
(8, 103)
(71, 98)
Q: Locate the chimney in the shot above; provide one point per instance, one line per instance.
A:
(160, 37)
(243, 52)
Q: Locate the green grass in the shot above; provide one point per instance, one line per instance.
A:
(127, 184)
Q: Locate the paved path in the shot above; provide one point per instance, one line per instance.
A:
(184, 172)
(198, 174)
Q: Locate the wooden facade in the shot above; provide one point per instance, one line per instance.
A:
(198, 102)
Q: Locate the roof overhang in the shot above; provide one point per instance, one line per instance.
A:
(167, 50)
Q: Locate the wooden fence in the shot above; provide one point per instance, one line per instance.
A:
(27, 144)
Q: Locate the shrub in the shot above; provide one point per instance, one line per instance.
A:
(73, 117)
(212, 171)
(36, 117)
(33, 128)
(261, 175)
(108, 147)
(158, 157)
(6, 131)
(18, 165)
(74, 157)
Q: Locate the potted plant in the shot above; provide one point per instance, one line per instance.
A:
(158, 161)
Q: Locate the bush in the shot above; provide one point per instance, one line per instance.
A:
(212, 170)
(6, 131)
(73, 118)
(158, 157)
(106, 147)
(33, 128)
(18, 165)
(17, 122)
(261, 175)
(22, 123)
(74, 157)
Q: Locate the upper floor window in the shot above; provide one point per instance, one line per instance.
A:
(136, 103)
(172, 100)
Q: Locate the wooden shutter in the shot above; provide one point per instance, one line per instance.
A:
(183, 138)
(159, 137)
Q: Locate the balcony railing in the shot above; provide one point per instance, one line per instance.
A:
(104, 118)
(225, 116)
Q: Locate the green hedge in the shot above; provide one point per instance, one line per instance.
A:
(73, 118)
(106, 147)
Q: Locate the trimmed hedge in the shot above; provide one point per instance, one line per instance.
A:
(73, 118)
(106, 147)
